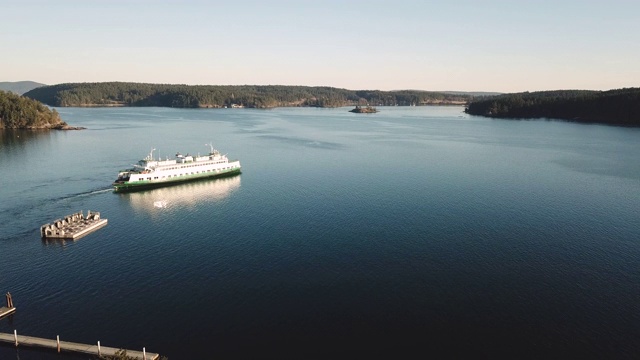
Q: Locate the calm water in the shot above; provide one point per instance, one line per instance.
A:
(418, 229)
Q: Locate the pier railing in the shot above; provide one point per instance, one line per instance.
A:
(97, 349)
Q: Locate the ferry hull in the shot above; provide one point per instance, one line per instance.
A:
(145, 185)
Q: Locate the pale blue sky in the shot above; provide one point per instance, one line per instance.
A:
(489, 45)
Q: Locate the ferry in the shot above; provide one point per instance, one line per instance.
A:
(150, 173)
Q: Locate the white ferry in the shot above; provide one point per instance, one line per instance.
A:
(150, 173)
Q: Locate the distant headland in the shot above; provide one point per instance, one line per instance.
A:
(614, 107)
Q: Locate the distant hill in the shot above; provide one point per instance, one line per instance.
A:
(219, 96)
(464, 93)
(615, 107)
(19, 87)
(472, 93)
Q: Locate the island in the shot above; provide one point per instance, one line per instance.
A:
(364, 110)
(19, 112)
(614, 107)
(231, 96)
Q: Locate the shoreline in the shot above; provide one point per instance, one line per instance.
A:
(210, 106)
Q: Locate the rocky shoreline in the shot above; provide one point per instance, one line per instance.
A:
(65, 126)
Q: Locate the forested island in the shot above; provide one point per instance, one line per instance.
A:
(364, 110)
(615, 107)
(19, 112)
(221, 96)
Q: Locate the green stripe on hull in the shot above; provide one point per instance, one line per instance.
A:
(147, 184)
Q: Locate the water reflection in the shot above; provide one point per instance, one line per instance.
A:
(14, 138)
(58, 242)
(183, 195)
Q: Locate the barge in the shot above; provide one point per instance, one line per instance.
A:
(73, 226)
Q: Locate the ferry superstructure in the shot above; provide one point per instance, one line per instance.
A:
(150, 173)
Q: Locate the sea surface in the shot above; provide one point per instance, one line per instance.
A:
(415, 230)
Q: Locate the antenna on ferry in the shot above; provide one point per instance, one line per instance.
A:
(210, 145)
(150, 157)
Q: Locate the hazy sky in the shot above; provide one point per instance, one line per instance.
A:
(472, 45)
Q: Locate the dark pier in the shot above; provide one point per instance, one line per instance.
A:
(65, 345)
(22, 340)
(9, 309)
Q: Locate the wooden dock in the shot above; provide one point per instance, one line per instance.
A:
(56, 344)
(4, 311)
(9, 309)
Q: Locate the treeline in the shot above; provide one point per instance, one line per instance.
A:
(616, 107)
(19, 112)
(218, 96)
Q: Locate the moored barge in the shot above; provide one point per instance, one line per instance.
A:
(73, 226)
